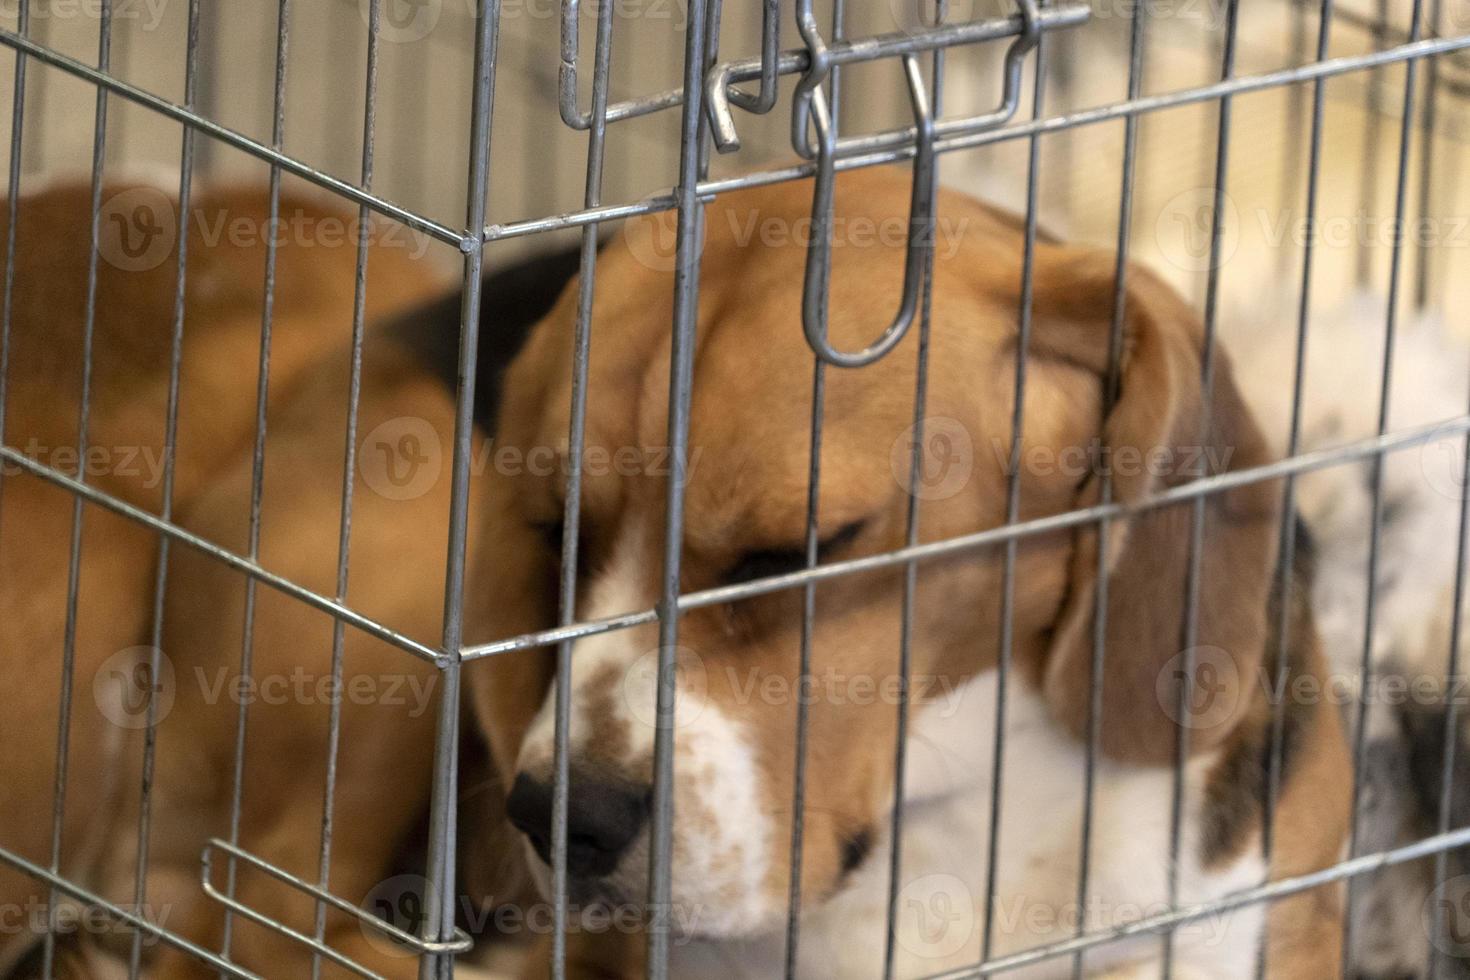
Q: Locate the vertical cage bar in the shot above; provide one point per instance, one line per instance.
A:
(803, 711)
(1425, 254)
(690, 234)
(213, 65)
(336, 126)
(1137, 34)
(74, 565)
(12, 205)
(1296, 114)
(1190, 632)
(257, 459)
(809, 610)
(1375, 527)
(1451, 740)
(1013, 507)
(572, 513)
(809, 591)
(170, 448)
(911, 522)
(349, 473)
(439, 869)
(7, 310)
(1286, 544)
(36, 89)
(1372, 138)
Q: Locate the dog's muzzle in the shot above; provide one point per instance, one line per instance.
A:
(603, 820)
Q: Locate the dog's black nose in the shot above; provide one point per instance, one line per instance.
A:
(603, 818)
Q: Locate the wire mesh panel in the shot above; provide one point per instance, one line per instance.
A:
(358, 676)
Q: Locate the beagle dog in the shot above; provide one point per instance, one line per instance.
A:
(386, 696)
(739, 682)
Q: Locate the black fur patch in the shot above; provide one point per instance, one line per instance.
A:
(1424, 728)
(511, 303)
(1424, 731)
(855, 850)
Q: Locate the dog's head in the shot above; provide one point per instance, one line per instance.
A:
(739, 682)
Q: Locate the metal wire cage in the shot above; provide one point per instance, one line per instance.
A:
(458, 102)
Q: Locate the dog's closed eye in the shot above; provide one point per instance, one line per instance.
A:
(550, 532)
(766, 562)
(553, 532)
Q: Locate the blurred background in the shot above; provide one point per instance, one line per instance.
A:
(422, 122)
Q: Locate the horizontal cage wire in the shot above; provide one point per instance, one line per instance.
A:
(1290, 171)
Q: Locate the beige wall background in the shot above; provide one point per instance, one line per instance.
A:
(538, 163)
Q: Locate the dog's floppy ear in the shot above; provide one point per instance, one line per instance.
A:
(1156, 434)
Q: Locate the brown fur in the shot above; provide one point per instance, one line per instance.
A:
(747, 490)
(202, 614)
(1304, 936)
